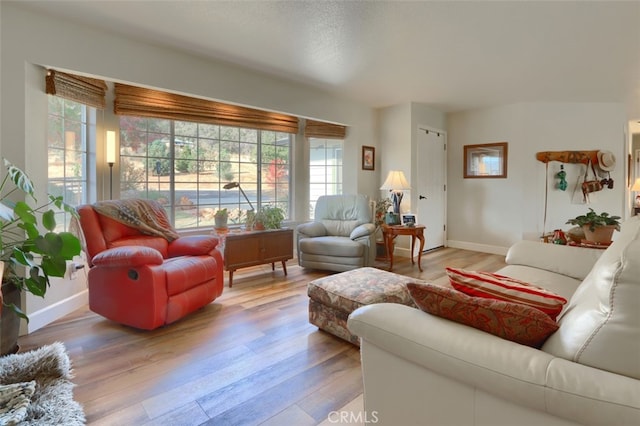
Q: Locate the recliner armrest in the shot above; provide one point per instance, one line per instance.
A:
(128, 256)
(363, 230)
(311, 229)
(193, 245)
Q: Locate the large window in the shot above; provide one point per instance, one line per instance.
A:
(185, 166)
(71, 144)
(325, 169)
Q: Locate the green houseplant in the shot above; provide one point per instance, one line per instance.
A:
(24, 247)
(221, 217)
(597, 227)
(270, 217)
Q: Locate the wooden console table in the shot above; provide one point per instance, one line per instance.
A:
(252, 248)
(390, 232)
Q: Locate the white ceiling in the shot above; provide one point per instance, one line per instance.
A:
(452, 55)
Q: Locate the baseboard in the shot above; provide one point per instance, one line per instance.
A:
(484, 248)
(55, 311)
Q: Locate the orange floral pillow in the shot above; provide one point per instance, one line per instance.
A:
(494, 286)
(512, 321)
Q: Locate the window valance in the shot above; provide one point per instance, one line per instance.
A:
(138, 101)
(86, 90)
(320, 129)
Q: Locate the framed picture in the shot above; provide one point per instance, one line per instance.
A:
(409, 219)
(368, 157)
(487, 160)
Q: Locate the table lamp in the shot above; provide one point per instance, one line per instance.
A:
(396, 183)
(636, 188)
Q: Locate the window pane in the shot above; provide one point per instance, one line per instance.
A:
(325, 169)
(191, 162)
(71, 141)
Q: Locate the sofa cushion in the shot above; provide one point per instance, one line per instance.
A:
(600, 325)
(500, 287)
(512, 321)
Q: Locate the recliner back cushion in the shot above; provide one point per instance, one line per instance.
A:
(340, 214)
(600, 325)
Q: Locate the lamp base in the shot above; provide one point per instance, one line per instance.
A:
(396, 198)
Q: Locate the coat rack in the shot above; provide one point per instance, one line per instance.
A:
(568, 156)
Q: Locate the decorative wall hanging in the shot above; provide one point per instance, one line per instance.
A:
(562, 175)
(487, 160)
(368, 158)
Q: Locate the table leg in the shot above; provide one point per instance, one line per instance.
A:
(230, 278)
(413, 243)
(284, 266)
(421, 238)
(389, 243)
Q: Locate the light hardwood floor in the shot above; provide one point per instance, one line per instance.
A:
(249, 358)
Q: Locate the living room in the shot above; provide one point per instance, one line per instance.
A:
(486, 215)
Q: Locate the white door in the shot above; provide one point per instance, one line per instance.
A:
(431, 185)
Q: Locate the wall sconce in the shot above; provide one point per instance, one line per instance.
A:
(111, 158)
(396, 183)
(231, 185)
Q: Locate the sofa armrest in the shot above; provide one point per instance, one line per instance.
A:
(364, 230)
(521, 374)
(128, 256)
(311, 229)
(193, 245)
(574, 262)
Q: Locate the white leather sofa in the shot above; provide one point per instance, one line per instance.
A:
(420, 369)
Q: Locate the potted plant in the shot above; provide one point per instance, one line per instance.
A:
(270, 217)
(381, 208)
(597, 227)
(221, 217)
(24, 247)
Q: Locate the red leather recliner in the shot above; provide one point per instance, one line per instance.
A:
(146, 281)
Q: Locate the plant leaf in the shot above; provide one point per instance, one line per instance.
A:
(20, 179)
(49, 220)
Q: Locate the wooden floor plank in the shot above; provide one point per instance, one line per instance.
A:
(251, 357)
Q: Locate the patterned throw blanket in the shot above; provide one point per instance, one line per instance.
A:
(147, 216)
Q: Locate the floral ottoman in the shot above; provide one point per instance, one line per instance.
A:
(333, 298)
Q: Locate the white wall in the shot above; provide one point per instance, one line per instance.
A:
(491, 214)
(398, 149)
(30, 41)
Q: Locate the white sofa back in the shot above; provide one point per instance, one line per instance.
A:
(600, 325)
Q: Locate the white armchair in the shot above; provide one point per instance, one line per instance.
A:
(341, 237)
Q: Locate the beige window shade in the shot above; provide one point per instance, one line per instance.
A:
(138, 101)
(89, 91)
(319, 129)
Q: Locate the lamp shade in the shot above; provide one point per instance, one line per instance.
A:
(111, 146)
(636, 185)
(395, 181)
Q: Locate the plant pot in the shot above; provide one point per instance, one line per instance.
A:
(9, 321)
(220, 222)
(601, 234)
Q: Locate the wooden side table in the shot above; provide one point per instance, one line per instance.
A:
(256, 248)
(390, 232)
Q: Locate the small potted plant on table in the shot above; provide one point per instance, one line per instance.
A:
(598, 227)
(221, 217)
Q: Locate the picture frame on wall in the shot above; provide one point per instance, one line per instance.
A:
(487, 160)
(368, 157)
